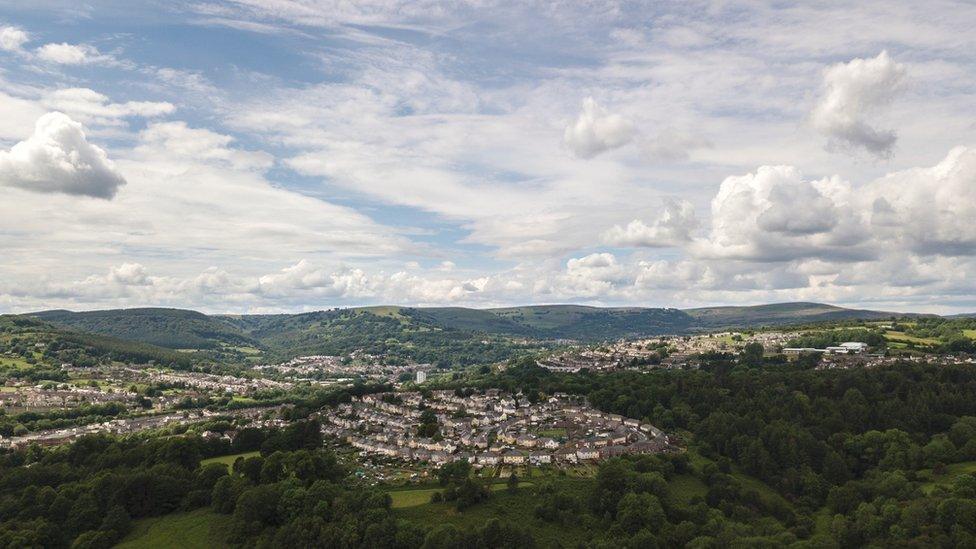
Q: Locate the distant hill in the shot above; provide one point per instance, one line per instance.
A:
(26, 335)
(778, 314)
(580, 322)
(171, 328)
(427, 333)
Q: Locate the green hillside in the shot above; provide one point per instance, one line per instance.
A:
(595, 323)
(171, 328)
(29, 343)
(443, 335)
(398, 333)
(778, 314)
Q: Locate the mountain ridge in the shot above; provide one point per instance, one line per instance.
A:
(333, 330)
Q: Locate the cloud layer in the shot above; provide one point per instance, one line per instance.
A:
(446, 153)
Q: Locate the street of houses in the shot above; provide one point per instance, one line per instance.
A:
(489, 429)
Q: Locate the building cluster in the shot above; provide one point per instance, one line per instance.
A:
(866, 360)
(344, 368)
(488, 429)
(211, 382)
(129, 425)
(846, 348)
(63, 396)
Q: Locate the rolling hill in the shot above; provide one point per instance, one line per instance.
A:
(171, 328)
(428, 333)
(778, 314)
(580, 322)
(28, 341)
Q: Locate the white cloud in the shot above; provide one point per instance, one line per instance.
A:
(928, 210)
(71, 54)
(12, 38)
(202, 144)
(19, 116)
(128, 274)
(596, 131)
(58, 158)
(672, 145)
(594, 275)
(672, 228)
(90, 107)
(302, 276)
(852, 94)
(774, 214)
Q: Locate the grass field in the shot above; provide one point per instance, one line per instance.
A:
(553, 433)
(766, 493)
(684, 488)
(421, 496)
(952, 471)
(518, 508)
(202, 529)
(971, 334)
(905, 338)
(18, 363)
(229, 460)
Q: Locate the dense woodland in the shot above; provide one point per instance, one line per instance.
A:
(850, 446)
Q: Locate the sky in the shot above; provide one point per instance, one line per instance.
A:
(255, 156)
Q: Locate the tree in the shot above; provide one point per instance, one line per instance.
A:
(752, 354)
(639, 511)
(116, 522)
(513, 483)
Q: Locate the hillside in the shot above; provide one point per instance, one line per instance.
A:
(580, 322)
(171, 328)
(453, 335)
(778, 314)
(34, 344)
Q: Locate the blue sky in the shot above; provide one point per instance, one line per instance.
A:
(287, 155)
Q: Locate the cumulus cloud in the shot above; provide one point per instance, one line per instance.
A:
(774, 214)
(672, 228)
(58, 158)
(928, 210)
(597, 274)
(852, 94)
(71, 54)
(12, 38)
(596, 130)
(344, 282)
(128, 274)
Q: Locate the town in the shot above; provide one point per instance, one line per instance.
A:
(488, 429)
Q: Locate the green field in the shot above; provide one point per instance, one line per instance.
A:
(905, 338)
(18, 363)
(421, 496)
(229, 460)
(518, 508)
(952, 472)
(971, 334)
(202, 529)
(553, 433)
(684, 488)
(766, 493)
